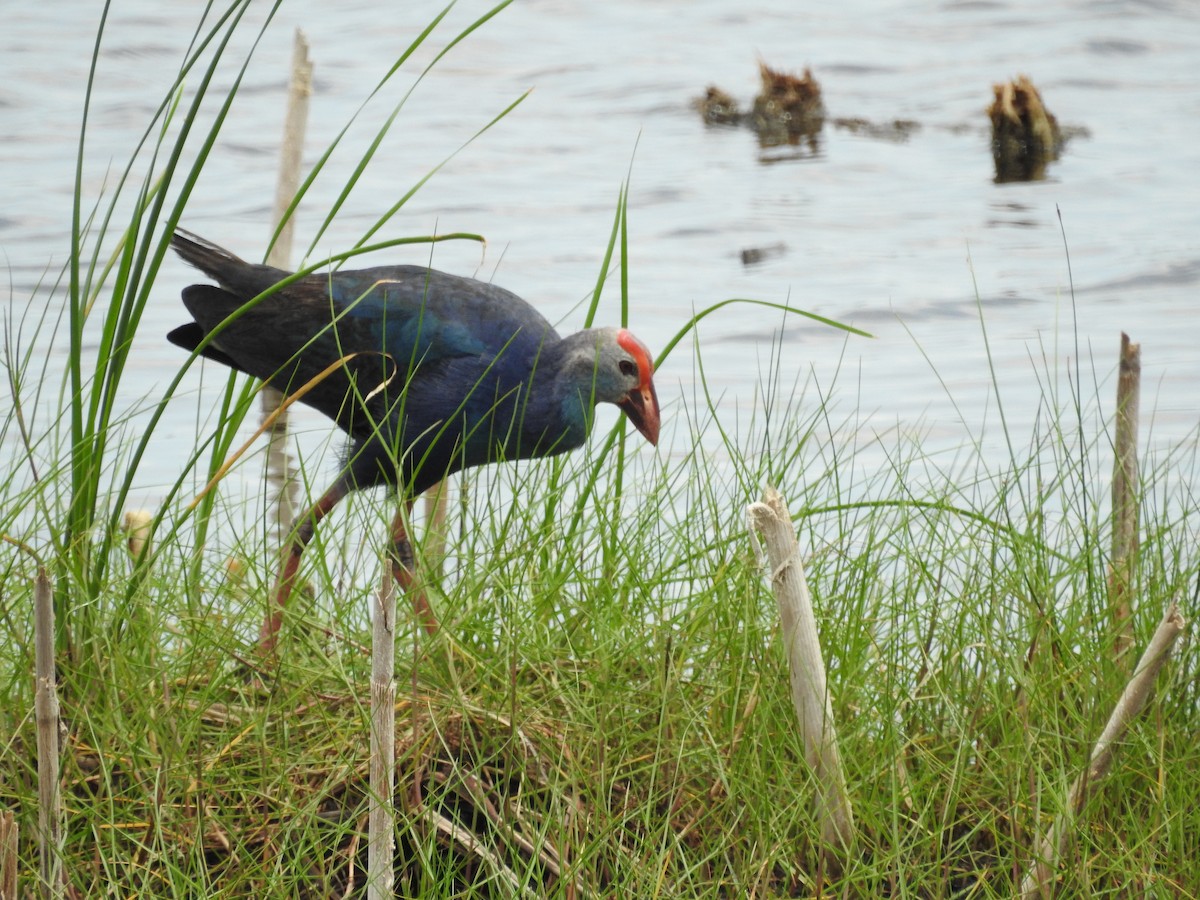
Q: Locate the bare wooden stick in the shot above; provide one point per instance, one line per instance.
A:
(46, 714)
(1125, 495)
(381, 807)
(8, 856)
(281, 472)
(810, 695)
(1038, 880)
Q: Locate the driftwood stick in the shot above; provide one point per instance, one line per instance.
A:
(50, 826)
(1038, 880)
(810, 695)
(281, 474)
(1125, 495)
(381, 807)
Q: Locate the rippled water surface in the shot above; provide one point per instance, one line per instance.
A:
(909, 240)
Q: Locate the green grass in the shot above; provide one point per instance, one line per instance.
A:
(608, 703)
(628, 708)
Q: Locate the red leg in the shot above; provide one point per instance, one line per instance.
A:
(403, 565)
(291, 565)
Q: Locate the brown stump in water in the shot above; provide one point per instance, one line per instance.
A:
(787, 108)
(1025, 135)
(719, 108)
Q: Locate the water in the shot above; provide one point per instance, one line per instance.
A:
(897, 238)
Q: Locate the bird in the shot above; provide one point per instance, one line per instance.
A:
(428, 373)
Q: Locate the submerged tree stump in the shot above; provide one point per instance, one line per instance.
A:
(719, 108)
(788, 107)
(788, 110)
(1025, 135)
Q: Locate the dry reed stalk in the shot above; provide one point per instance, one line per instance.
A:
(136, 523)
(433, 548)
(469, 844)
(1039, 879)
(810, 695)
(50, 812)
(281, 473)
(292, 150)
(381, 808)
(1125, 496)
(8, 856)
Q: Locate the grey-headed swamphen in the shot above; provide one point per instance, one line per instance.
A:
(428, 373)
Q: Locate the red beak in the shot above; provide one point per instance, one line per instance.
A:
(641, 405)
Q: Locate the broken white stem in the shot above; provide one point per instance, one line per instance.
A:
(50, 810)
(1132, 700)
(810, 694)
(281, 474)
(381, 810)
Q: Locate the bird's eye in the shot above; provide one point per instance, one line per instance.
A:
(628, 368)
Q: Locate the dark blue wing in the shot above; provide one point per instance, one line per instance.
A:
(378, 328)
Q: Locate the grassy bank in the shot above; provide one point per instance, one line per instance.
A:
(616, 713)
(606, 712)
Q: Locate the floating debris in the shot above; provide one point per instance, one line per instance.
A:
(752, 256)
(1025, 135)
(897, 130)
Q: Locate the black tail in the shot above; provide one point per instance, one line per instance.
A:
(210, 259)
(232, 272)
